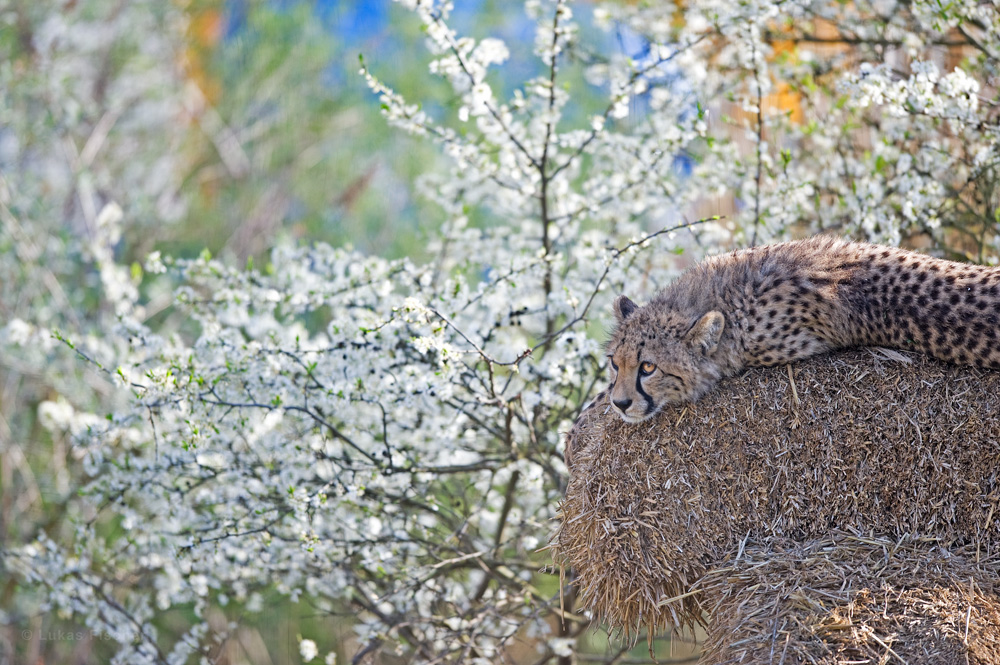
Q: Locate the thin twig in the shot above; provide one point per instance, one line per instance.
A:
(547, 339)
(623, 93)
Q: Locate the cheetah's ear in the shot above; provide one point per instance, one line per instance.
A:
(705, 334)
(624, 308)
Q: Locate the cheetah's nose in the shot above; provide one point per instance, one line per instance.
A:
(623, 404)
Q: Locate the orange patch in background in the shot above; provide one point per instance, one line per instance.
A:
(204, 33)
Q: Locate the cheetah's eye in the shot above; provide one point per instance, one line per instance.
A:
(647, 368)
(612, 361)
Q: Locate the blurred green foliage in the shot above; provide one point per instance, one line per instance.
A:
(311, 158)
(314, 161)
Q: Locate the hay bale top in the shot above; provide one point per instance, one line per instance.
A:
(858, 442)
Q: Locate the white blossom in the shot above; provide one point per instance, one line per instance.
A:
(561, 646)
(308, 650)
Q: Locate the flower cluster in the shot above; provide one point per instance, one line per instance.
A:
(952, 97)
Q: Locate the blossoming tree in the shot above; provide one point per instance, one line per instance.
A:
(383, 438)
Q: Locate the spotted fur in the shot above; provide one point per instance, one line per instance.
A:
(780, 303)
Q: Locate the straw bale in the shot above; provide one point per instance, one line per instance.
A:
(858, 442)
(850, 599)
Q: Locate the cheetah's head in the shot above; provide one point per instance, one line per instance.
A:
(659, 356)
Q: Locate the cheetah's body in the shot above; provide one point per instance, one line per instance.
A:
(780, 303)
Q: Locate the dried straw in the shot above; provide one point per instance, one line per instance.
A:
(854, 599)
(858, 442)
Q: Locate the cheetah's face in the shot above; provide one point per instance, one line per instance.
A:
(659, 358)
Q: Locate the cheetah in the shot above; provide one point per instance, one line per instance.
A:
(775, 304)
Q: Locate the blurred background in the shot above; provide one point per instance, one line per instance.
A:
(263, 126)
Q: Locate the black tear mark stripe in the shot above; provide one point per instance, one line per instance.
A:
(638, 383)
(649, 400)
